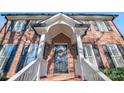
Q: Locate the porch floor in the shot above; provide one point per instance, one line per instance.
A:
(61, 77)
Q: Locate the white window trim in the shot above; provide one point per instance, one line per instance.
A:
(94, 63)
(22, 23)
(100, 26)
(113, 56)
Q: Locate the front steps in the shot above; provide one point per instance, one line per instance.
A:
(61, 77)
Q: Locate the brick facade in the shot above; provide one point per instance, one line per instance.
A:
(28, 37)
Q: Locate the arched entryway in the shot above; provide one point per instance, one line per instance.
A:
(58, 28)
(59, 50)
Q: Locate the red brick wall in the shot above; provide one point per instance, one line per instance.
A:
(20, 38)
(61, 38)
(28, 37)
(101, 38)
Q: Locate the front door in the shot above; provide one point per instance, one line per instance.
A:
(60, 59)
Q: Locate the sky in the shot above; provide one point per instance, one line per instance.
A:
(119, 21)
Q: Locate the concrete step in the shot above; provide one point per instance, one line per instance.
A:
(61, 77)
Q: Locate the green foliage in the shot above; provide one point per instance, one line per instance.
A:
(115, 74)
(3, 78)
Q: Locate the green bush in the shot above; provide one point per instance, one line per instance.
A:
(115, 74)
(3, 78)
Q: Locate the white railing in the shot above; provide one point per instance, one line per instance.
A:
(28, 73)
(92, 73)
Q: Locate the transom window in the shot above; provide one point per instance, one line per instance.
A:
(115, 55)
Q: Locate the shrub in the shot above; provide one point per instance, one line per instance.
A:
(3, 78)
(115, 74)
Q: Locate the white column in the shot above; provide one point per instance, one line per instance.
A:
(43, 64)
(41, 46)
(80, 52)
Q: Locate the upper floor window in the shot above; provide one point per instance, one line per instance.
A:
(20, 25)
(11, 26)
(2, 22)
(102, 26)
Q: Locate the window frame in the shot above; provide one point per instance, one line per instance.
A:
(108, 25)
(19, 25)
(94, 63)
(100, 26)
(5, 56)
(114, 56)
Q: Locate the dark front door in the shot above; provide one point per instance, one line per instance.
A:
(60, 59)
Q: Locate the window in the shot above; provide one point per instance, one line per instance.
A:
(88, 53)
(108, 56)
(22, 58)
(2, 22)
(11, 26)
(108, 25)
(1, 46)
(102, 26)
(32, 53)
(11, 57)
(115, 55)
(20, 25)
(97, 56)
(121, 49)
(5, 54)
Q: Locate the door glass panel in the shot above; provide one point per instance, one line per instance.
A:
(60, 59)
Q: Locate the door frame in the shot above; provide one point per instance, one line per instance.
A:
(54, 52)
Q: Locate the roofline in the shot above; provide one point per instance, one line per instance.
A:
(54, 13)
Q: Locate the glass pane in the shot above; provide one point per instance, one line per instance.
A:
(5, 53)
(10, 59)
(87, 50)
(11, 25)
(101, 26)
(114, 50)
(32, 53)
(22, 58)
(120, 61)
(20, 25)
